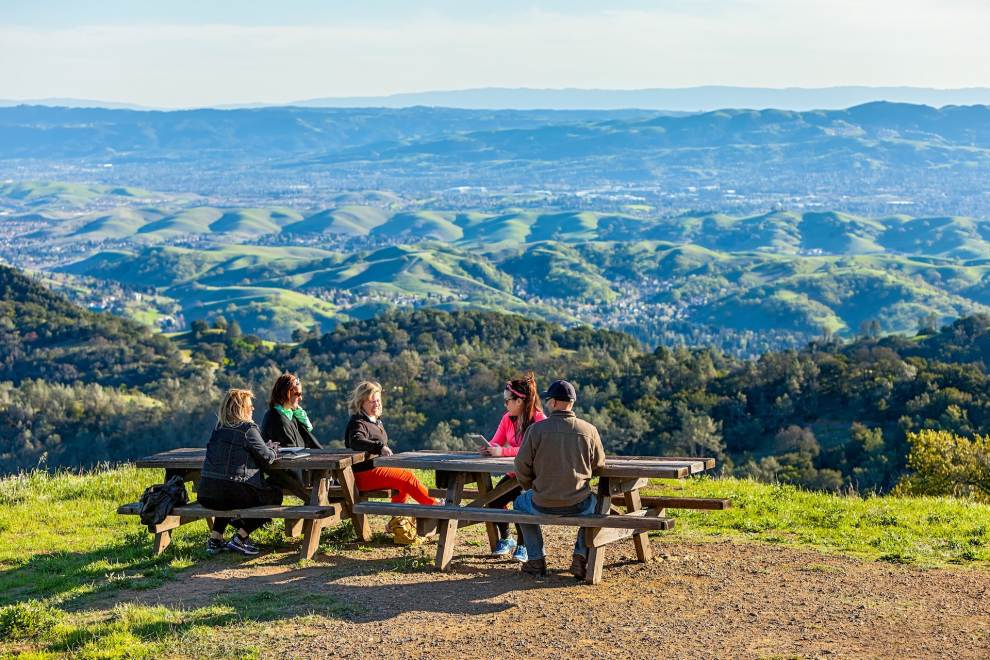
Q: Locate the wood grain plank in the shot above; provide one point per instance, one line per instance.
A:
(192, 459)
(615, 466)
(484, 514)
(162, 541)
(644, 552)
(345, 477)
(598, 538)
(699, 503)
(596, 556)
(194, 511)
(484, 481)
(448, 527)
(293, 528)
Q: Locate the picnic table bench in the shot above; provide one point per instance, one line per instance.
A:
(326, 506)
(620, 480)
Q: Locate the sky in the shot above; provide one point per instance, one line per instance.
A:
(187, 53)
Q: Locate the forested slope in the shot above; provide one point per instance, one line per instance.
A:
(830, 415)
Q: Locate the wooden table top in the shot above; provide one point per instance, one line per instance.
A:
(654, 467)
(191, 458)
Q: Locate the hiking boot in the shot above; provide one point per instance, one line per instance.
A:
(579, 566)
(535, 567)
(214, 545)
(504, 547)
(237, 543)
(520, 555)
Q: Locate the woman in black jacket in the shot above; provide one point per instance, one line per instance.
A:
(286, 424)
(232, 476)
(365, 432)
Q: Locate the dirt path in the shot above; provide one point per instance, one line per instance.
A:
(720, 599)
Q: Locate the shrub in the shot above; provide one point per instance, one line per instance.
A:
(28, 620)
(943, 463)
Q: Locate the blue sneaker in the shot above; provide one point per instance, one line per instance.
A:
(242, 545)
(504, 547)
(520, 555)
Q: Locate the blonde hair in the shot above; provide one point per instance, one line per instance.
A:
(364, 391)
(235, 409)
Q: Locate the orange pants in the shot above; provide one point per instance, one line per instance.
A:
(402, 481)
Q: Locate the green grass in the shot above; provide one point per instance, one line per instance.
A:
(61, 539)
(63, 547)
(928, 531)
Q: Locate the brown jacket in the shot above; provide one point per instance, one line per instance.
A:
(557, 458)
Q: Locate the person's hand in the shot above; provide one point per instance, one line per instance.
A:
(386, 451)
(492, 450)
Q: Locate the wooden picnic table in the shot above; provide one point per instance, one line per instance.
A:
(322, 465)
(621, 479)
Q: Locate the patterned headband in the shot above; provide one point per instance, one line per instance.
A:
(508, 386)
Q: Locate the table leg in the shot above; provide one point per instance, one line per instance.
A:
(448, 528)
(485, 487)
(162, 541)
(642, 540)
(313, 527)
(596, 556)
(345, 477)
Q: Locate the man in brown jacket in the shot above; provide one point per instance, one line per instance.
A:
(554, 466)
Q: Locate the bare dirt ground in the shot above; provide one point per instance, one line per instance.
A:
(717, 599)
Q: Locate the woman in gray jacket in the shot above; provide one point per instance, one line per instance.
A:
(232, 476)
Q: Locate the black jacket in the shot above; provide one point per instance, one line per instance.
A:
(365, 435)
(237, 454)
(287, 432)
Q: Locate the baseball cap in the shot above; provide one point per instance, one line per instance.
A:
(562, 390)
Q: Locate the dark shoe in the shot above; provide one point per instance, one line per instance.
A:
(579, 566)
(213, 546)
(242, 545)
(535, 567)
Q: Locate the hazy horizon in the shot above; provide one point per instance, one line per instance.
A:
(189, 54)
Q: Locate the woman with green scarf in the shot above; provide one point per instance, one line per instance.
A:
(286, 424)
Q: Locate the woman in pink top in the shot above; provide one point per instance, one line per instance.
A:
(522, 403)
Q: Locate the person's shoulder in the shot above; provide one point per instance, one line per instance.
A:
(538, 416)
(540, 424)
(584, 425)
(244, 429)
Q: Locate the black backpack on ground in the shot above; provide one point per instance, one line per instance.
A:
(158, 500)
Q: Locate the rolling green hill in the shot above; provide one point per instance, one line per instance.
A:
(694, 275)
(345, 220)
(778, 232)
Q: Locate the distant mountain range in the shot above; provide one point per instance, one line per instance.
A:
(876, 158)
(684, 99)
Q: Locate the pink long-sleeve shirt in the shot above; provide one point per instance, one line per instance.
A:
(506, 436)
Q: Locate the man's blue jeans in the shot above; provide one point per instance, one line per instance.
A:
(533, 536)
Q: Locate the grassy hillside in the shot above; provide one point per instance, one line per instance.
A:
(64, 554)
(777, 232)
(54, 193)
(746, 283)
